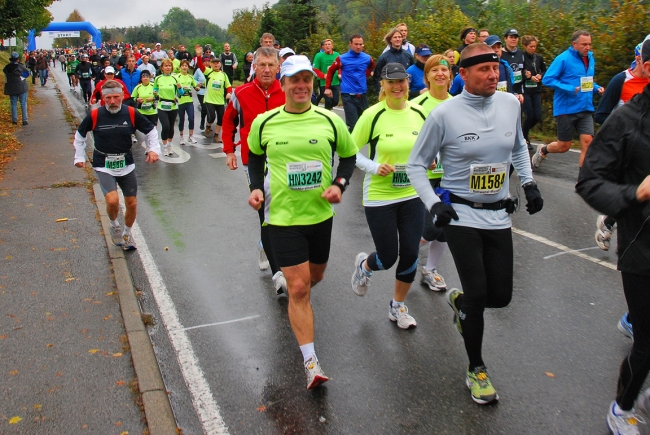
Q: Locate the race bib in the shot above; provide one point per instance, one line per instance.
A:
(187, 89)
(147, 106)
(115, 162)
(304, 175)
(502, 86)
(517, 76)
(94, 63)
(438, 169)
(216, 85)
(586, 84)
(227, 62)
(530, 84)
(400, 179)
(85, 75)
(165, 105)
(487, 178)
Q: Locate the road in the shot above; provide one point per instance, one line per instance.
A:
(232, 365)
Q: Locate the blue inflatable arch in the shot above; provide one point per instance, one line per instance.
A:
(66, 27)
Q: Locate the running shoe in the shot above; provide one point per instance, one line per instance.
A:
(400, 313)
(191, 140)
(643, 402)
(182, 140)
(216, 138)
(625, 326)
(129, 244)
(360, 280)
(279, 283)
(169, 150)
(478, 382)
(603, 234)
(451, 300)
(537, 158)
(115, 236)
(623, 423)
(263, 261)
(434, 280)
(314, 372)
(207, 131)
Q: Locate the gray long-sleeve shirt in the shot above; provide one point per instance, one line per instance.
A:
(477, 138)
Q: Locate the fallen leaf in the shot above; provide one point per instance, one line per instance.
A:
(38, 407)
(119, 383)
(3, 337)
(117, 355)
(59, 374)
(261, 408)
(126, 432)
(10, 315)
(110, 293)
(83, 331)
(94, 351)
(58, 249)
(15, 420)
(119, 423)
(13, 372)
(110, 316)
(94, 302)
(88, 299)
(85, 426)
(49, 345)
(49, 319)
(70, 278)
(9, 257)
(549, 374)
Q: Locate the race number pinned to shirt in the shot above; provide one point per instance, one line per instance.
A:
(587, 84)
(165, 105)
(227, 62)
(400, 179)
(304, 175)
(502, 86)
(530, 84)
(147, 106)
(517, 76)
(216, 85)
(85, 75)
(487, 178)
(115, 162)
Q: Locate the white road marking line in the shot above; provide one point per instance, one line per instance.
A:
(574, 151)
(561, 247)
(204, 404)
(574, 250)
(217, 155)
(218, 323)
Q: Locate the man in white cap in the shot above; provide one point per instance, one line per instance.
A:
(157, 56)
(290, 160)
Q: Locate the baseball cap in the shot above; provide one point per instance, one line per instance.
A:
(493, 39)
(510, 32)
(423, 50)
(15, 55)
(645, 49)
(394, 71)
(215, 59)
(285, 51)
(295, 64)
(109, 70)
(158, 43)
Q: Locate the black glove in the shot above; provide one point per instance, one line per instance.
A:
(443, 214)
(534, 200)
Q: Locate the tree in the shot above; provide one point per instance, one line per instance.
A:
(179, 22)
(74, 17)
(244, 27)
(18, 17)
(295, 22)
(268, 22)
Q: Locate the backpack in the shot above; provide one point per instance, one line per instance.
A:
(93, 116)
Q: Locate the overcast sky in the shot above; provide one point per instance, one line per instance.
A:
(125, 13)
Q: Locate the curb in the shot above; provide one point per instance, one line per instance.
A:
(157, 409)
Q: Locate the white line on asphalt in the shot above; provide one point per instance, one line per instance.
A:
(574, 151)
(218, 323)
(574, 250)
(561, 247)
(204, 404)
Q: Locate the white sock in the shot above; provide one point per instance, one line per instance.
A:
(436, 249)
(115, 223)
(619, 411)
(363, 268)
(127, 230)
(307, 351)
(394, 303)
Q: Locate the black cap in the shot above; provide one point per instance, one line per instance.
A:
(394, 71)
(645, 50)
(511, 32)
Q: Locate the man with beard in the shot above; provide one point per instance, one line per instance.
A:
(112, 126)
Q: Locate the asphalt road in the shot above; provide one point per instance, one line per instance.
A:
(232, 365)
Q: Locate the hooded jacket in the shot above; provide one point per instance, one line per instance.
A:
(15, 75)
(393, 55)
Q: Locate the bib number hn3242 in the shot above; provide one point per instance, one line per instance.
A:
(304, 175)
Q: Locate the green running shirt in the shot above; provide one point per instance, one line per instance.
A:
(216, 82)
(187, 83)
(299, 151)
(390, 135)
(145, 92)
(166, 87)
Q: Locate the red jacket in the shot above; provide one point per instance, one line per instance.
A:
(97, 93)
(248, 101)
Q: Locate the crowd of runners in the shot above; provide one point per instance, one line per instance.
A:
(430, 176)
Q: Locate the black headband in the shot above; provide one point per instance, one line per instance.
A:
(465, 32)
(480, 58)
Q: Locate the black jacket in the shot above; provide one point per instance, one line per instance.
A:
(392, 55)
(536, 65)
(611, 97)
(617, 161)
(516, 61)
(15, 83)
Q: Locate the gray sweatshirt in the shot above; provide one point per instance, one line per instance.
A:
(477, 138)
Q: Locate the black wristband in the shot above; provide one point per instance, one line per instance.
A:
(341, 182)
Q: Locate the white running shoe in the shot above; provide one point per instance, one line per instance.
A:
(182, 140)
(433, 280)
(169, 150)
(116, 237)
(129, 244)
(314, 372)
(360, 280)
(263, 261)
(623, 423)
(400, 313)
(279, 283)
(191, 140)
(537, 158)
(603, 234)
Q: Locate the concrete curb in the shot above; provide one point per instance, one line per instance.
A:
(157, 409)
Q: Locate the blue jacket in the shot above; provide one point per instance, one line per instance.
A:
(353, 72)
(131, 80)
(458, 83)
(564, 77)
(416, 81)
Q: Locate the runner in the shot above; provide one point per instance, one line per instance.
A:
(165, 87)
(185, 102)
(112, 126)
(84, 73)
(296, 187)
(144, 97)
(394, 213)
(216, 82)
(437, 77)
(476, 157)
(71, 67)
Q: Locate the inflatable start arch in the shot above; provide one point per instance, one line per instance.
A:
(66, 27)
